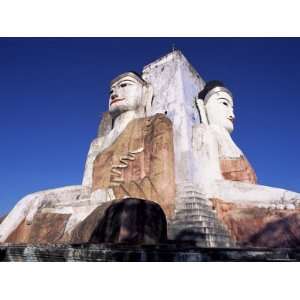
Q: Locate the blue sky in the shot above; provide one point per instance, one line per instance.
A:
(53, 91)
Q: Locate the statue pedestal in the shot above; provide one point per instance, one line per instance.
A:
(158, 253)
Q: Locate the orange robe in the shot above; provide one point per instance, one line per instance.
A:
(238, 169)
(140, 163)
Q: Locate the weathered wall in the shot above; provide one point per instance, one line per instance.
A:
(176, 84)
(125, 253)
(255, 226)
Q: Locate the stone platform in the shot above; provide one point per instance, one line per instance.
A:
(126, 253)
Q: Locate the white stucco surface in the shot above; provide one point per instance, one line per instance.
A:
(213, 142)
(175, 86)
(172, 86)
(30, 204)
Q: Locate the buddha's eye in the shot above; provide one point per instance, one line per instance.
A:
(111, 91)
(225, 103)
(123, 85)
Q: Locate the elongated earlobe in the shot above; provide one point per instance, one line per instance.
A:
(147, 98)
(202, 111)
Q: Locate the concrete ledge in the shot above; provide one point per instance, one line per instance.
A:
(126, 253)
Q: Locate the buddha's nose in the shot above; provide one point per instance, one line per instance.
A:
(231, 118)
(113, 96)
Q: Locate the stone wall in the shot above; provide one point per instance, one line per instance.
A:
(125, 253)
(255, 226)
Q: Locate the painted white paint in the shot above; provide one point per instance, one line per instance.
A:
(212, 142)
(170, 85)
(134, 96)
(30, 204)
(176, 85)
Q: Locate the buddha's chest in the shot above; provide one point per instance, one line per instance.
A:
(237, 169)
(127, 159)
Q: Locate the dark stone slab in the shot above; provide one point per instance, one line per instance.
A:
(126, 253)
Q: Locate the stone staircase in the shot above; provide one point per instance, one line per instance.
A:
(196, 221)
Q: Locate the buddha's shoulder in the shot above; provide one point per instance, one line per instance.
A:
(203, 128)
(96, 142)
(159, 118)
(204, 132)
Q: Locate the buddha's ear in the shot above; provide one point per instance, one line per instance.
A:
(202, 111)
(147, 98)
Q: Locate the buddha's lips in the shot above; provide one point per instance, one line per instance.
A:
(116, 100)
(231, 120)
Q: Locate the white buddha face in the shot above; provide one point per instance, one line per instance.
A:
(125, 95)
(219, 109)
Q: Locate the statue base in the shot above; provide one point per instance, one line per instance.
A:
(168, 252)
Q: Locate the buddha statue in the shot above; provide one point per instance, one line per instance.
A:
(134, 159)
(224, 171)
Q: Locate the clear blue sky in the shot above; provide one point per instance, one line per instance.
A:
(52, 93)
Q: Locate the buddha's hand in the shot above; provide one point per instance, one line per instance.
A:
(288, 200)
(102, 195)
(291, 199)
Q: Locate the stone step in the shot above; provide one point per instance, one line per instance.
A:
(195, 209)
(199, 224)
(193, 206)
(184, 200)
(191, 198)
(191, 194)
(204, 231)
(207, 240)
(214, 231)
(212, 241)
(219, 242)
(195, 214)
(196, 220)
(189, 189)
(188, 185)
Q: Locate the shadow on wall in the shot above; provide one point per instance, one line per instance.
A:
(131, 220)
(190, 235)
(281, 233)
